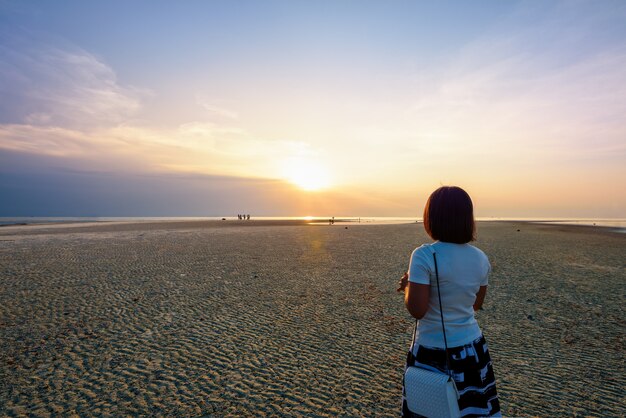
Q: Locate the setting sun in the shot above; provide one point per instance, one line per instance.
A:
(306, 174)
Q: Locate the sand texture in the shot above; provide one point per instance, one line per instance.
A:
(254, 319)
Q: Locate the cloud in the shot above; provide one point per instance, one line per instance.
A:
(37, 185)
(60, 85)
(45, 185)
(215, 110)
(60, 100)
(46, 140)
(530, 91)
(201, 148)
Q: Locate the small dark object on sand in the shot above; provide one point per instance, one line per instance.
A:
(346, 227)
(518, 230)
(223, 219)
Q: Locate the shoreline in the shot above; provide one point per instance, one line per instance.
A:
(53, 227)
(571, 226)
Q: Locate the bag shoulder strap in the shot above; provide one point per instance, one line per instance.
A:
(445, 340)
(443, 326)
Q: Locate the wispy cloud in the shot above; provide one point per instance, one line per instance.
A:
(49, 85)
(64, 101)
(192, 148)
(532, 91)
(216, 110)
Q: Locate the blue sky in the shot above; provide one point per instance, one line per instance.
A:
(311, 108)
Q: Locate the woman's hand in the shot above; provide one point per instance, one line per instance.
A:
(404, 281)
(480, 298)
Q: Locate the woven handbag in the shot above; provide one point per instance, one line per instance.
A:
(432, 393)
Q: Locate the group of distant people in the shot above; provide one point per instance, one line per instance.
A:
(243, 217)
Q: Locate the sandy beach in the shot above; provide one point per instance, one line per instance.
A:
(252, 318)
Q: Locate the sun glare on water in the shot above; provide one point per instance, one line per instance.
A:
(307, 174)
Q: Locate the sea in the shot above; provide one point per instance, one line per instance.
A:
(618, 225)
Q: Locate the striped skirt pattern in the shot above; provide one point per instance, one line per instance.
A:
(472, 372)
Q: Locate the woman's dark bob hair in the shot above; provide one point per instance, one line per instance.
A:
(449, 216)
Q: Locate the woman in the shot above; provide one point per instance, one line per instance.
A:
(463, 274)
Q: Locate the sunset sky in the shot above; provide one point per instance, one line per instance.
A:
(294, 108)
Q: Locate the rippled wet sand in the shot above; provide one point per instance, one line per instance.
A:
(261, 319)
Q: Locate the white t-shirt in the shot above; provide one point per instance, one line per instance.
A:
(463, 268)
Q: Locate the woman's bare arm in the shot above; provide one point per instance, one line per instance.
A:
(480, 298)
(416, 297)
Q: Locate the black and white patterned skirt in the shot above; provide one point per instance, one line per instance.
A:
(472, 372)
